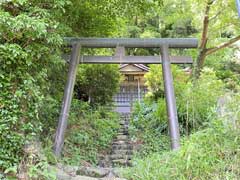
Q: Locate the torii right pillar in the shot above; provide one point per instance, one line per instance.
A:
(170, 98)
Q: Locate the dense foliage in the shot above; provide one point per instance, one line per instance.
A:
(89, 132)
(93, 83)
(106, 18)
(211, 153)
(196, 105)
(29, 35)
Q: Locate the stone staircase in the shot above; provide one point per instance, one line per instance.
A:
(119, 155)
(122, 149)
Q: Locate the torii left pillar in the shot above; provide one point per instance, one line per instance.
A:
(68, 93)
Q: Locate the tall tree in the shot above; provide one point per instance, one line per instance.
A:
(214, 22)
(219, 23)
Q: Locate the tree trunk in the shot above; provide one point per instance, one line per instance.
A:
(203, 46)
(203, 50)
(199, 63)
(203, 53)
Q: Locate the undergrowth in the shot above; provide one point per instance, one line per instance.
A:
(90, 131)
(196, 105)
(211, 153)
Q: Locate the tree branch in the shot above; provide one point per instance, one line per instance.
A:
(216, 15)
(223, 45)
(205, 25)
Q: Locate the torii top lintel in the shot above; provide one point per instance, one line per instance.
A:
(134, 42)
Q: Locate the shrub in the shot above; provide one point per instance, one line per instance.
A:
(229, 72)
(212, 153)
(97, 83)
(155, 84)
(196, 105)
(90, 131)
(149, 124)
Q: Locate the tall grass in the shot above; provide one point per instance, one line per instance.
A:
(196, 104)
(212, 153)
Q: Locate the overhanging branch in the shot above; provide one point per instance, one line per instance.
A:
(223, 45)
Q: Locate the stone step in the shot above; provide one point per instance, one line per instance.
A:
(123, 133)
(122, 137)
(124, 122)
(122, 152)
(120, 142)
(124, 128)
(121, 162)
(66, 172)
(125, 115)
(120, 156)
(122, 147)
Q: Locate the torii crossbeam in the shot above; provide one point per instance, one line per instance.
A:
(120, 44)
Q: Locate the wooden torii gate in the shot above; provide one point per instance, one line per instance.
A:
(164, 44)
